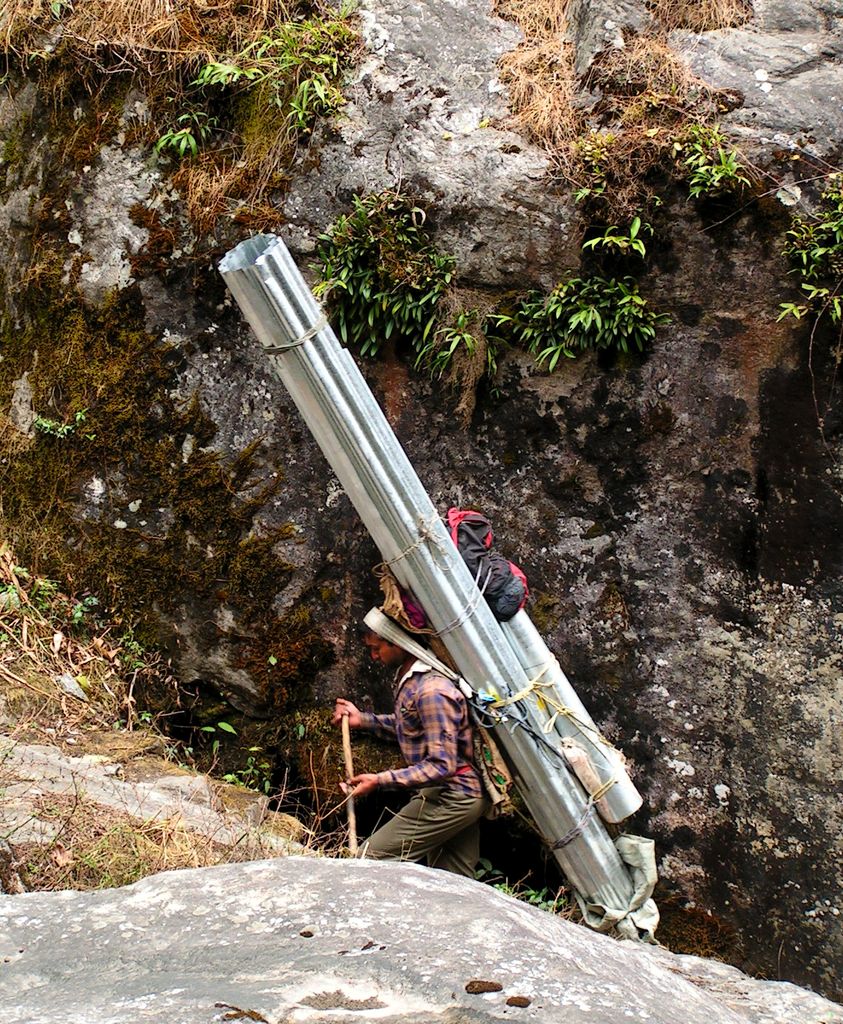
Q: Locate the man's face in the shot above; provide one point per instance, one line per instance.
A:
(383, 652)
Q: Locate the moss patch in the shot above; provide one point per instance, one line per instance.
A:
(692, 931)
(107, 385)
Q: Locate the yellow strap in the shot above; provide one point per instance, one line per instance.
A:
(537, 687)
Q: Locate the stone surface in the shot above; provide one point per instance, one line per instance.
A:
(788, 66)
(420, 120)
(104, 234)
(594, 27)
(304, 940)
(21, 413)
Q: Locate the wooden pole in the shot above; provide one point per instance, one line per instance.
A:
(349, 771)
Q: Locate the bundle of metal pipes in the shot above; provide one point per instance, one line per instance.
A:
(566, 715)
(360, 446)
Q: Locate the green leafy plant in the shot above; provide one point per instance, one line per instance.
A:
(300, 62)
(593, 155)
(541, 898)
(623, 242)
(819, 300)
(55, 428)
(437, 354)
(226, 727)
(384, 276)
(255, 774)
(581, 314)
(41, 591)
(815, 248)
(58, 8)
(83, 608)
(713, 166)
(196, 129)
(314, 96)
(132, 653)
(223, 73)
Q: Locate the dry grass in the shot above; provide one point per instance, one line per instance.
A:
(39, 643)
(150, 35)
(617, 150)
(468, 368)
(700, 15)
(236, 182)
(540, 74)
(541, 89)
(211, 187)
(692, 931)
(100, 848)
(536, 18)
(43, 639)
(96, 846)
(646, 69)
(648, 98)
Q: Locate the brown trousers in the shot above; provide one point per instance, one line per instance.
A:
(439, 825)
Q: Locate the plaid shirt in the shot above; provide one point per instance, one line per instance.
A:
(432, 728)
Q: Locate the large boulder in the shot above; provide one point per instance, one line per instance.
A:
(321, 941)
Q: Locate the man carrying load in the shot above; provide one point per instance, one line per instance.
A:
(431, 725)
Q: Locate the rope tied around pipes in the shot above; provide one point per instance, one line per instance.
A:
(538, 686)
(470, 606)
(309, 335)
(426, 535)
(576, 831)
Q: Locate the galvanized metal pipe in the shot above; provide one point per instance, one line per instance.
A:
(352, 432)
(622, 799)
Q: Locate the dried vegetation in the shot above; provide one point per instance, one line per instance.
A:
(47, 636)
(70, 681)
(464, 346)
(612, 134)
(540, 72)
(157, 37)
(99, 848)
(703, 16)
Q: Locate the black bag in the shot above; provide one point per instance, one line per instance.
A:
(504, 585)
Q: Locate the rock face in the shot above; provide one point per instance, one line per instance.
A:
(319, 941)
(419, 120)
(677, 514)
(786, 66)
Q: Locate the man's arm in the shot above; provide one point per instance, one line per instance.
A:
(381, 726)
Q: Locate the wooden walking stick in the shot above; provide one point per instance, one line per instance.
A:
(349, 771)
